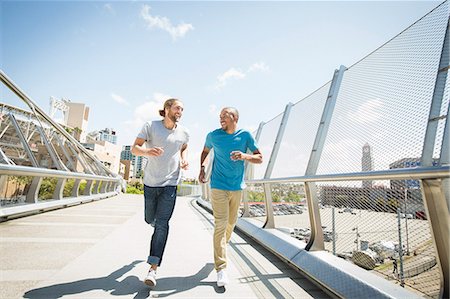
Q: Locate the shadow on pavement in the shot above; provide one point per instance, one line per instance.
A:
(128, 286)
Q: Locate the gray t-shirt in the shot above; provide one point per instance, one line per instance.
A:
(163, 170)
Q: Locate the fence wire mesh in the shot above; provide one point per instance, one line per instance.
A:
(382, 108)
(378, 123)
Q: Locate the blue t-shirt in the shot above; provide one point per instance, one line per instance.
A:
(226, 173)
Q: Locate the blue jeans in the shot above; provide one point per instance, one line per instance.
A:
(159, 205)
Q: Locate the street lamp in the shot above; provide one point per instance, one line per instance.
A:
(406, 222)
(357, 237)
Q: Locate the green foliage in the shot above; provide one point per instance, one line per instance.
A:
(68, 188)
(47, 188)
(255, 196)
(134, 190)
(135, 187)
(82, 187)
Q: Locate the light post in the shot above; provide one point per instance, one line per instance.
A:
(333, 217)
(406, 221)
(357, 237)
(400, 248)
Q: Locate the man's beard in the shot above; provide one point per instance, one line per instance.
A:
(173, 117)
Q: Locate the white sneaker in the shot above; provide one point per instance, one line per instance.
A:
(222, 278)
(150, 279)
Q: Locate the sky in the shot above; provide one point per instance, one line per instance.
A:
(123, 59)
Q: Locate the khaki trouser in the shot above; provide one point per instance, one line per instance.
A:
(225, 206)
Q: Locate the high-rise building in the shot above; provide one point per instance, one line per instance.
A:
(138, 162)
(366, 163)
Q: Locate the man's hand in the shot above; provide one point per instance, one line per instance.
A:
(155, 151)
(184, 164)
(237, 155)
(201, 176)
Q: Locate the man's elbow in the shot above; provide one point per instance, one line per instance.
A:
(133, 150)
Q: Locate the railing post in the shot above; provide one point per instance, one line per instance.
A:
(95, 186)
(438, 217)
(59, 189)
(435, 192)
(250, 175)
(33, 192)
(88, 188)
(76, 187)
(104, 187)
(316, 241)
(270, 219)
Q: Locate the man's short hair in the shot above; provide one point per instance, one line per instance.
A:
(232, 111)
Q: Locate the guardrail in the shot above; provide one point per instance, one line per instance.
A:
(358, 169)
(38, 156)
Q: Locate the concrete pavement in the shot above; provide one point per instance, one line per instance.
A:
(98, 250)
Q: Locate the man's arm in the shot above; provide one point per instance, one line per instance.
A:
(138, 149)
(201, 176)
(255, 157)
(184, 164)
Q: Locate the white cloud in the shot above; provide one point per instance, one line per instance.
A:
(164, 23)
(108, 7)
(369, 112)
(259, 66)
(119, 99)
(237, 74)
(232, 73)
(146, 112)
(212, 109)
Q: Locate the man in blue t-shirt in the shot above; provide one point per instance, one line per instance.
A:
(227, 180)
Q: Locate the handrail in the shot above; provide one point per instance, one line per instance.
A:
(416, 173)
(14, 88)
(17, 170)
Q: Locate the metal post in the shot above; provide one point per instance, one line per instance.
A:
(406, 222)
(333, 218)
(400, 248)
(76, 186)
(249, 175)
(33, 192)
(436, 102)
(59, 189)
(316, 241)
(88, 188)
(435, 192)
(437, 211)
(25, 145)
(270, 219)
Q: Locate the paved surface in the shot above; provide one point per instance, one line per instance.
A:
(98, 250)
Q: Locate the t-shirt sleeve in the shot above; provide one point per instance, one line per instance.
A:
(145, 132)
(208, 142)
(251, 143)
(188, 135)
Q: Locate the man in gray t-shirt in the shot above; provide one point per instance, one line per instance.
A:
(166, 151)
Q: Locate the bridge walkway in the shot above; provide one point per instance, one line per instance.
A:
(98, 250)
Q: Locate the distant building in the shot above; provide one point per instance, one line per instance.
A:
(77, 118)
(138, 162)
(128, 172)
(106, 134)
(407, 163)
(107, 152)
(366, 163)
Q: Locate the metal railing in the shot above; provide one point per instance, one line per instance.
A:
(360, 167)
(43, 166)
